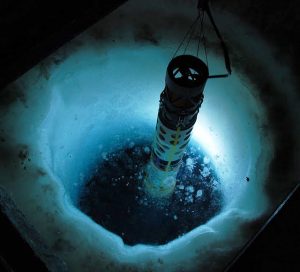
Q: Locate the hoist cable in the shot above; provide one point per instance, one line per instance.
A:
(203, 7)
(189, 39)
(204, 44)
(201, 31)
(191, 29)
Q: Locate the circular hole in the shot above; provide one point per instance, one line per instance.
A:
(135, 216)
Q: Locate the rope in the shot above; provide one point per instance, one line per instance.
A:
(205, 47)
(201, 31)
(203, 7)
(188, 33)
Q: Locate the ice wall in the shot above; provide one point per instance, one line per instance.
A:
(88, 97)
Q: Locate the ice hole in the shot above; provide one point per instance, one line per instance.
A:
(83, 103)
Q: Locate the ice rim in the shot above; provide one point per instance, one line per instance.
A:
(56, 119)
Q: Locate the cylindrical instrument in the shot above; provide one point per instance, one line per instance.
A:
(179, 105)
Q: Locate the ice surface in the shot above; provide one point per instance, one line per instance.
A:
(95, 96)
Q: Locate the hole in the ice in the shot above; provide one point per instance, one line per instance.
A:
(113, 196)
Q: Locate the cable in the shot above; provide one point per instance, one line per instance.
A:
(190, 30)
(201, 31)
(203, 7)
(205, 47)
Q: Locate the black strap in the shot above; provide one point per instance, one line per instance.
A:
(223, 45)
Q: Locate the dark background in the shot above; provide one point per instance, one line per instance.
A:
(30, 30)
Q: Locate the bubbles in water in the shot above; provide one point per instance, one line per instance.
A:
(114, 196)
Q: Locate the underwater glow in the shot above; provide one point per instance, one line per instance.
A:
(105, 86)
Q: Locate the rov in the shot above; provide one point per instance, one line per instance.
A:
(179, 105)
